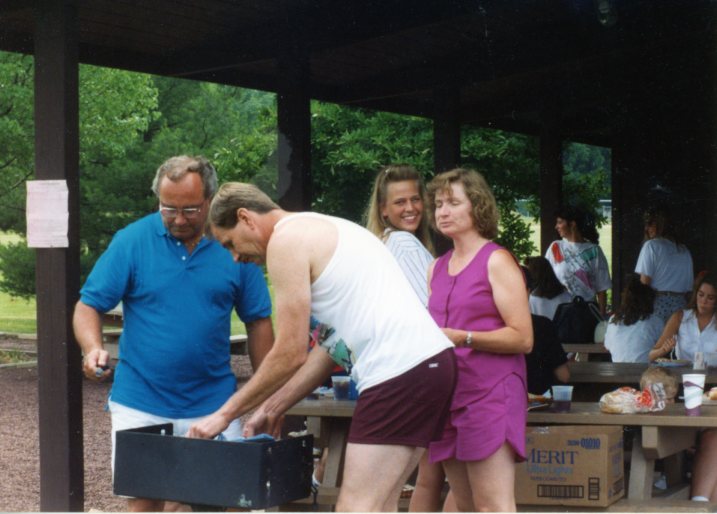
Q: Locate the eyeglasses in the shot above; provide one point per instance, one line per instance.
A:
(189, 213)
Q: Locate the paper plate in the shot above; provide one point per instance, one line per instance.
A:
(678, 363)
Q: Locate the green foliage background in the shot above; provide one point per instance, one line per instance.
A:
(130, 123)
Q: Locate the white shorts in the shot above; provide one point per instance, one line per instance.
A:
(124, 418)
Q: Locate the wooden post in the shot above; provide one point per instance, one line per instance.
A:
(294, 131)
(446, 129)
(58, 269)
(551, 178)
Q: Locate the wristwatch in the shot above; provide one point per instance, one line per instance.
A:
(469, 339)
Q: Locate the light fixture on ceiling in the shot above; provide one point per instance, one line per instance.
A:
(606, 12)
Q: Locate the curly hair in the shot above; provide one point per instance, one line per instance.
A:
(637, 303)
(484, 207)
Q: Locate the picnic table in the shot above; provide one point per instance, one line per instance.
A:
(662, 435)
(624, 373)
(586, 351)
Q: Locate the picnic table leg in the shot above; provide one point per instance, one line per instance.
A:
(337, 430)
(642, 469)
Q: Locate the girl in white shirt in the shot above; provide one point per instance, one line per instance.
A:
(577, 259)
(692, 329)
(634, 328)
(547, 292)
(664, 263)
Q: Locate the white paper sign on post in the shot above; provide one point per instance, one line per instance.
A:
(47, 214)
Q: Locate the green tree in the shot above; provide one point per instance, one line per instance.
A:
(349, 145)
(16, 138)
(115, 109)
(586, 177)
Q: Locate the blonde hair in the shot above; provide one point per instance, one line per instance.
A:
(235, 195)
(485, 209)
(375, 222)
(656, 375)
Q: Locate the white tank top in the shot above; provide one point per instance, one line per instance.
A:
(380, 328)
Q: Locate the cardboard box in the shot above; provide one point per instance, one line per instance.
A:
(152, 463)
(578, 465)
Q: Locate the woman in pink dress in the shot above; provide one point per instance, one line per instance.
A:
(478, 296)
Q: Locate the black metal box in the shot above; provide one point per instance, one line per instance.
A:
(151, 463)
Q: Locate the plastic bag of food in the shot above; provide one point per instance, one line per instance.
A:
(628, 400)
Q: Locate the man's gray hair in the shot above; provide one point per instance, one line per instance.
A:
(176, 168)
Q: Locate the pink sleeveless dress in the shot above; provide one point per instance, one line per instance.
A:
(489, 405)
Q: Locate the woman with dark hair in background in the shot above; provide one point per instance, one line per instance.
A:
(664, 263)
(693, 329)
(634, 328)
(546, 292)
(547, 363)
(576, 258)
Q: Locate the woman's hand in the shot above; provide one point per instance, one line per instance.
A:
(668, 340)
(668, 345)
(457, 337)
(663, 347)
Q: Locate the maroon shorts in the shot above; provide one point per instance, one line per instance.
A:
(407, 410)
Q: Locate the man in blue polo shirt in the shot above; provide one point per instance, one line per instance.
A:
(178, 289)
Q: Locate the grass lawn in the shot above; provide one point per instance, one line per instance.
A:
(17, 315)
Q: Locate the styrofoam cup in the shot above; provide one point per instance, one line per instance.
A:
(694, 384)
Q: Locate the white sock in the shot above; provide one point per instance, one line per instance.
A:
(700, 499)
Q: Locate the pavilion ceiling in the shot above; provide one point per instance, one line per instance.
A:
(596, 62)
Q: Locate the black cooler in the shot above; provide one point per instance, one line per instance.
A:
(151, 463)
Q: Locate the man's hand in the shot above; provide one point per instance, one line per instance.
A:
(95, 365)
(262, 422)
(209, 427)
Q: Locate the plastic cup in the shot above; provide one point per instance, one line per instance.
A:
(353, 392)
(341, 387)
(694, 384)
(562, 398)
(699, 361)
